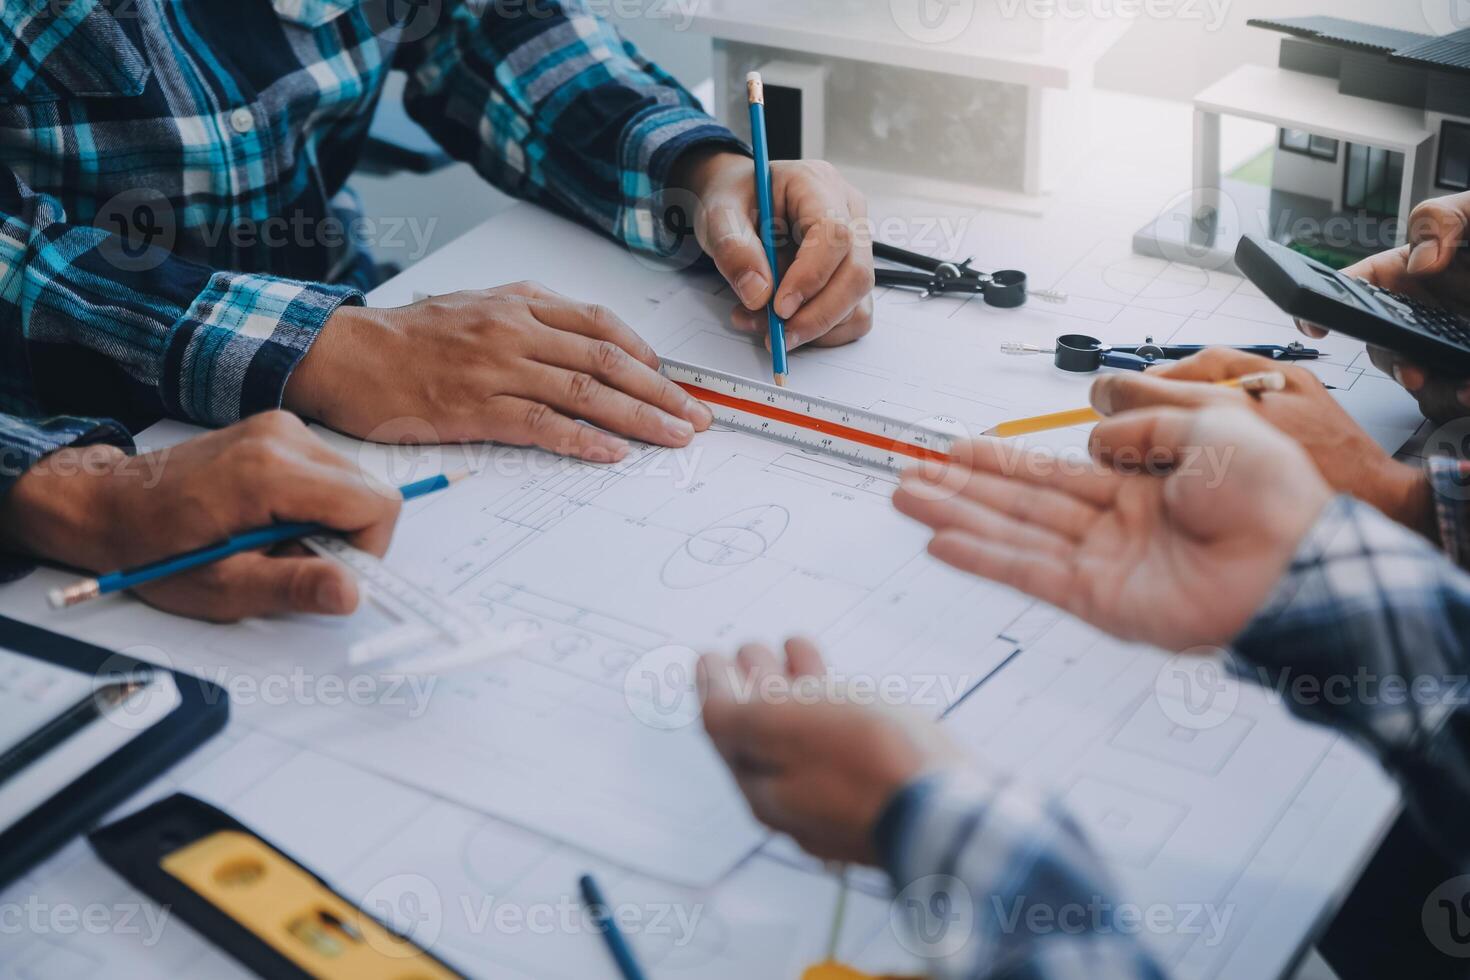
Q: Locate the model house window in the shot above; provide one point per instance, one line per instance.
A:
(1300, 141)
(1454, 156)
(1373, 179)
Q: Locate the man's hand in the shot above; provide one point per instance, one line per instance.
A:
(1347, 457)
(826, 294)
(1179, 556)
(95, 508)
(1433, 267)
(810, 766)
(519, 364)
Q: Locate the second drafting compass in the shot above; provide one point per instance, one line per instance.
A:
(1005, 289)
(1081, 353)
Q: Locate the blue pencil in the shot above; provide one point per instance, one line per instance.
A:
(254, 540)
(756, 93)
(602, 918)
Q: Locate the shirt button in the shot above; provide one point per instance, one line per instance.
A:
(242, 120)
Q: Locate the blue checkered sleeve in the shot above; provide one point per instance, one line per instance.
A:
(165, 336)
(550, 103)
(995, 880)
(1449, 478)
(1366, 632)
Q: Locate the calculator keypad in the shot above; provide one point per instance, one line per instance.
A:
(1432, 320)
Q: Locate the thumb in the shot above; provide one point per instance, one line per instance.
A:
(265, 586)
(1436, 232)
(1154, 434)
(729, 237)
(1114, 393)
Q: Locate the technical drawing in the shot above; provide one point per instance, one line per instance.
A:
(715, 551)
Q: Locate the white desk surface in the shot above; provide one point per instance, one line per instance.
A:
(426, 861)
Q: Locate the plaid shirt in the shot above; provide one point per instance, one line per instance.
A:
(172, 178)
(1364, 600)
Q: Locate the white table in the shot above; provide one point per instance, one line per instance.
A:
(377, 839)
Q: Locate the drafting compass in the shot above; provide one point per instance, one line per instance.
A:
(1082, 354)
(1005, 289)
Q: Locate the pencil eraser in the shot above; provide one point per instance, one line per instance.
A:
(752, 76)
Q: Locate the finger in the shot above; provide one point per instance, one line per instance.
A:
(1436, 234)
(834, 305)
(533, 423)
(748, 321)
(1215, 364)
(713, 676)
(1046, 577)
(1410, 376)
(1390, 270)
(251, 585)
(615, 367)
(947, 511)
(375, 537)
(1311, 330)
(924, 498)
(728, 236)
(757, 662)
(595, 321)
(1115, 393)
(581, 396)
(758, 783)
(333, 493)
(803, 659)
(859, 324)
(1077, 477)
(1155, 434)
(826, 247)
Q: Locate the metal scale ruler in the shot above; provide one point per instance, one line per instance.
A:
(814, 424)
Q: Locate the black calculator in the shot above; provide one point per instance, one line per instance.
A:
(1308, 290)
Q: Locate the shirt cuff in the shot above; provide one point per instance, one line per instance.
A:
(1449, 479)
(926, 824)
(235, 347)
(1333, 607)
(653, 218)
(25, 442)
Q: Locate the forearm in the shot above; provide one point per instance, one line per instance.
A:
(149, 336)
(552, 104)
(1022, 892)
(1365, 633)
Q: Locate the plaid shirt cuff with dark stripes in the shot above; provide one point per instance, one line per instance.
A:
(232, 352)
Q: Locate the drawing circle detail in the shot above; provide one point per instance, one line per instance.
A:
(718, 549)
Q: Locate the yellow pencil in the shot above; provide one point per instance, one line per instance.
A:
(1264, 381)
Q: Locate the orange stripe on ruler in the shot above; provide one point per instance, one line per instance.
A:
(816, 425)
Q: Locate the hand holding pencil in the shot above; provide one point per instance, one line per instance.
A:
(1347, 456)
(824, 293)
(94, 507)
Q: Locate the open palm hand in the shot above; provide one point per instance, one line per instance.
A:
(1178, 552)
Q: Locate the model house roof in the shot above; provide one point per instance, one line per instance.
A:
(1448, 53)
(1344, 33)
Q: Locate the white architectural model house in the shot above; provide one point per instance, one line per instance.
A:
(963, 101)
(1370, 121)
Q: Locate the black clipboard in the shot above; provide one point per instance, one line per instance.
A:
(202, 712)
